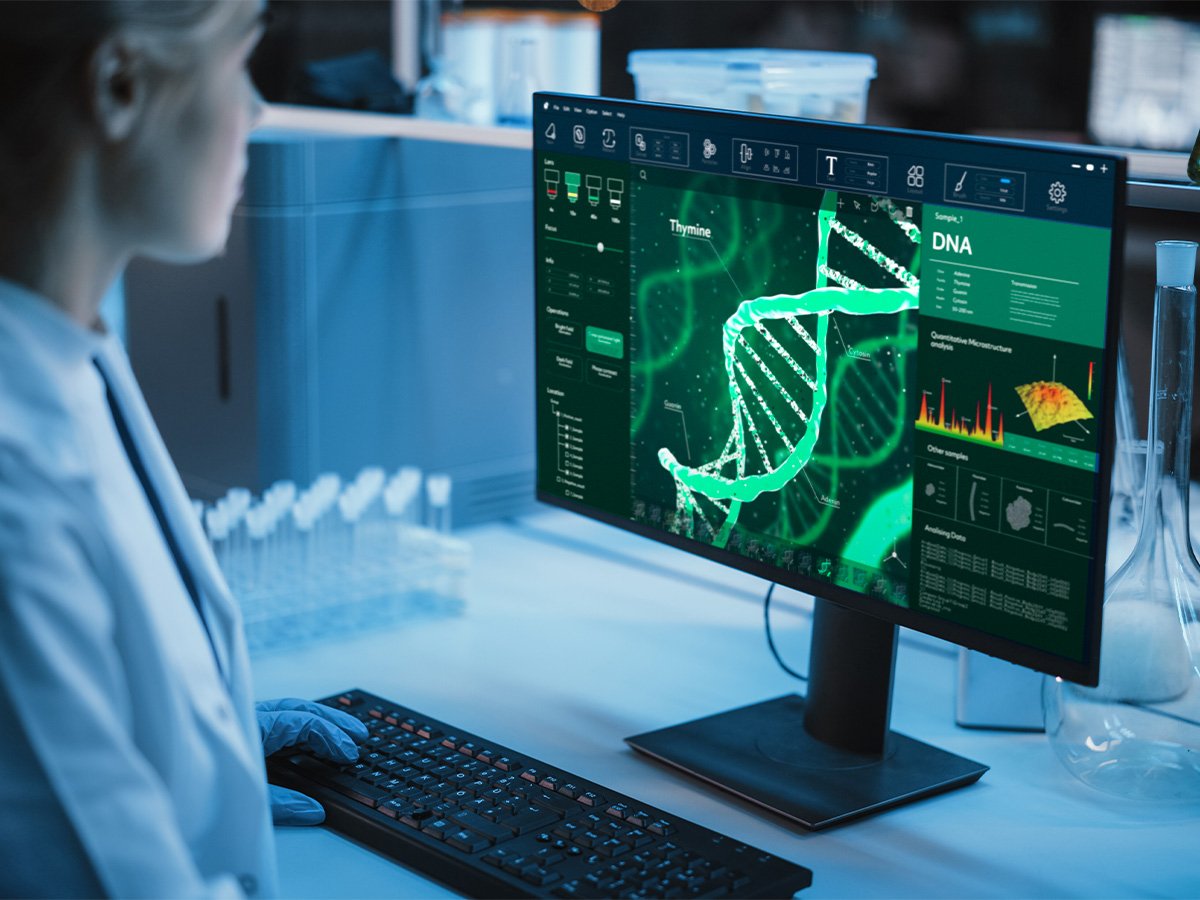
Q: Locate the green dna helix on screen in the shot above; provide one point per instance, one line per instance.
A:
(761, 341)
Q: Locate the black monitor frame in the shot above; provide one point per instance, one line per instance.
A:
(842, 729)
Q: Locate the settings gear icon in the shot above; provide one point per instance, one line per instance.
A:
(1058, 193)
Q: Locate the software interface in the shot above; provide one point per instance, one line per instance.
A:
(871, 360)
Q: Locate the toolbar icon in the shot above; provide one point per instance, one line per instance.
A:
(916, 177)
(551, 132)
(608, 138)
(639, 141)
(579, 133)
(594, 183)
(710, 149)
(616, 187)
(1057, 193)
(745, 153)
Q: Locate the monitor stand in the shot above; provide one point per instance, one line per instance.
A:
(827, 758)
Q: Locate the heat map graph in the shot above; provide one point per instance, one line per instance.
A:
(987, 427)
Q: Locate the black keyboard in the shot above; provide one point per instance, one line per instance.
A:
(488, 821)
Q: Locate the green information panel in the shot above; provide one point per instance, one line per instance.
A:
(1034, 276)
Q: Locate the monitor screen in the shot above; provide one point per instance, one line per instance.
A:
(1143, 87)
(870, 364)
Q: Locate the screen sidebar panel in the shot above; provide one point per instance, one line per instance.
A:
(869, 364)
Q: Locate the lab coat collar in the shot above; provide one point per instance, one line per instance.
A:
(45, 365)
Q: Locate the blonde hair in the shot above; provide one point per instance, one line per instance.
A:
(44, 53)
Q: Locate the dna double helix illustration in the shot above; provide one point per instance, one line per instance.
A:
(775, 398)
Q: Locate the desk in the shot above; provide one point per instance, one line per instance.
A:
(647, 636)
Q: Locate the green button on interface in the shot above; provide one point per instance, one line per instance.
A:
(604, 342)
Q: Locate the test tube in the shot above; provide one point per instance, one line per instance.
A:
(437, 497)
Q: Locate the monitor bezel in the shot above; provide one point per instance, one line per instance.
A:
(1086, 671)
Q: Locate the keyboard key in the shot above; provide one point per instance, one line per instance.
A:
(570, 790)
(517, 864)
(376, 712)
(661, 826)
(416, 817)
(617, 810)
(550, 783)
(590, 798)
(531, 819)
(438, 828)
(507, 764)
(541, 877)
(346, 700)
(553, 801)
(466, 818)
(395, 808)
(611, 847)
(635, 837)
(533, 775)
(467, 841)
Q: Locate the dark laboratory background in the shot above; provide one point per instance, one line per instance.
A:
(1021, 68)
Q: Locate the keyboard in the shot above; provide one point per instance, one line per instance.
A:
(486, 820)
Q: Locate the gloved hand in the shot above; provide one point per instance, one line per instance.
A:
(326, 731)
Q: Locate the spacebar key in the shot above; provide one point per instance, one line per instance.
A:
(329, 777)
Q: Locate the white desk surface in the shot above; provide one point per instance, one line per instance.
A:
(576, 635)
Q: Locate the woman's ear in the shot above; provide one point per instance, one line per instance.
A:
(117, 88)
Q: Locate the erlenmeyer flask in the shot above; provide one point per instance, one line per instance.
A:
(1137, 735)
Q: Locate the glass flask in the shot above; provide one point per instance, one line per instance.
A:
(1137, 734)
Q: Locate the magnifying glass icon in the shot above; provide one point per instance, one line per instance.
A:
(642, 174)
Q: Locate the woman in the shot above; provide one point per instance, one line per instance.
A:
(131, 755)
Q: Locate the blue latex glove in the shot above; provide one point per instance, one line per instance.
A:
(326, 731)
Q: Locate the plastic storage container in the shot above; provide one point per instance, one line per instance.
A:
(805, 83)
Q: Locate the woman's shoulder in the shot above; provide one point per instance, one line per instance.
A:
(39, 410)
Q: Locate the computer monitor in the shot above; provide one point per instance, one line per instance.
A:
(872, 365)
(1143, 84)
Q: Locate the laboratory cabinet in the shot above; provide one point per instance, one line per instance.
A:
(372, 308)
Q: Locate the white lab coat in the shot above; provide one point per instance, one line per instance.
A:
(130, 758)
